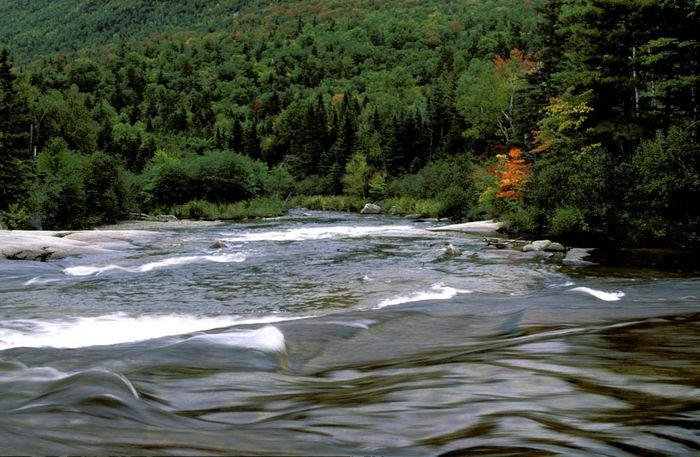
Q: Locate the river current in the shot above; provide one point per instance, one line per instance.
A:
(337, 334)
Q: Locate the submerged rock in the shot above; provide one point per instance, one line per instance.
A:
(371, 208)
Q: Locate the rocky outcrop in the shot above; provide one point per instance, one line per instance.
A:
(371, 208)
(45, 245)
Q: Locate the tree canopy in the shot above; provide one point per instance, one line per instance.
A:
(360, 97)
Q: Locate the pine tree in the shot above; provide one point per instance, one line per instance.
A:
(15, 123)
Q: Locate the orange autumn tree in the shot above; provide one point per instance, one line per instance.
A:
(512, 173)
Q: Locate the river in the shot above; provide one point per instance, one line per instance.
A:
(323, 333)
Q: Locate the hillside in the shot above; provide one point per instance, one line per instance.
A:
(42, 28)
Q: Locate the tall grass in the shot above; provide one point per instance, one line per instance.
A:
(200, 209)
(328, 202)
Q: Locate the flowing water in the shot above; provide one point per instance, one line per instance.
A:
(325, 333)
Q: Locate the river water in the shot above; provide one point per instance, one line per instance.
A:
(337, 334)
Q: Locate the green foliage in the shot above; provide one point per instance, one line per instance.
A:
(665, 181)
(215, 176)
(446, 181)
(256, 208)
(328, 202)
(358, 173)
(60, 195)
(17, 218)
(566, 222)
(231, 100)
(520, 220)
(14, 137)
(169, 181)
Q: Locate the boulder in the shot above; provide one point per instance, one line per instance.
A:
(218, 244)
(166, 218)
(449, 252)
(371, 208)
(556, 247)
(539, 245)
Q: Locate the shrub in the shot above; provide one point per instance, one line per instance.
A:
(567, 221)
(520, 220)
(17, 218)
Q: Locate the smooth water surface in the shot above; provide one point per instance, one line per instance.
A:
(326, 333)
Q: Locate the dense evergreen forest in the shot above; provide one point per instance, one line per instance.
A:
(573, 118)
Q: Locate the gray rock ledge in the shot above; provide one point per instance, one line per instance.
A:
(44, 245)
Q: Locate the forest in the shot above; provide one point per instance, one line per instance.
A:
(572, 118)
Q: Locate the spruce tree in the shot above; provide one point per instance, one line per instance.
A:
(15, 121)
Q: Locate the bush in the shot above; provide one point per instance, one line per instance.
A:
(199, 209)
(567, 221)
(329, 202)
(225, 177)
(443, 187)
(520, 220)
(663, 177)
(216, 176)
(17, 218)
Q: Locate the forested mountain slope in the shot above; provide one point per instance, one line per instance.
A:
(570, 116)
(41, 28)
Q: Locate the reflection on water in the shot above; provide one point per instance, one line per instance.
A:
(500, 356)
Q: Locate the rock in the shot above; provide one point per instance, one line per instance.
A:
(371, 208)
(45, 245)
(449, 252)
(556, 247)
(166, 217)
(539, 245)
(578, 257)
(413, 216)
(218, 244)
(35, 245)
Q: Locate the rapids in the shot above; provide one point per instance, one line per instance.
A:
(324, 333)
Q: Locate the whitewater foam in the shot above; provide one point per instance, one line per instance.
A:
(268, 338)
(117, 328)
(436, 292)
(606, 296)
(320, 233)
(89, 270)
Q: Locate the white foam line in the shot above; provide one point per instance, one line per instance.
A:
(88, 270)
(319, 233)
(606, 296)
(436, 292)
(117, 328)
(268, 338)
